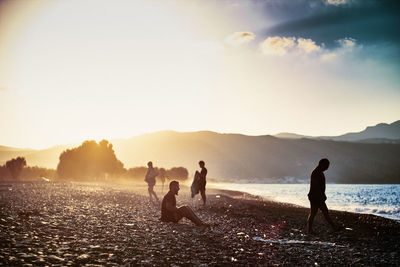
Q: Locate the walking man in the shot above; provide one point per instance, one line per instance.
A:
(151, 180)
(317, 195)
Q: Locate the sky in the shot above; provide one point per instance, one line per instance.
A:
(72, 70)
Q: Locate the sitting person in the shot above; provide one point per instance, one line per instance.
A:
(169, 211)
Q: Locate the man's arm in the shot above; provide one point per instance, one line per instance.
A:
(173, 209)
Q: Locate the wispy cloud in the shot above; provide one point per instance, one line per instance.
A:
(336, 2)
(346, 46)
(240, 38)
(307, 45)
(282, 45)
(347, 42)
(277, 45)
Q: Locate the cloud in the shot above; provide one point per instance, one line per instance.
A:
(307, 45)
(346, 46)
(3, 88)
(347, 42)
(283, 45)
(240, 38)
(277, 45)
(336, 2)
(371, 22)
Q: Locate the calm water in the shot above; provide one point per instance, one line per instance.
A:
(381, 200)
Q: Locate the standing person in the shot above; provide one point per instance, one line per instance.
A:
(202, 181)
(169, 211)
(161, 172)
(151, 180)
(317, 195)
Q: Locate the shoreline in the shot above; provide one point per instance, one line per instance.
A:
(86, 223)
(213, 187)
(331, 206)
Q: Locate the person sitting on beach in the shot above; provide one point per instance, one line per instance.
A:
(317, 195)
(150, 179)
(169, 211)
(202, 181)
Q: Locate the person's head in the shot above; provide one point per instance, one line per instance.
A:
(174, 187)
(323, 164)
(201, 164)
(150, 164)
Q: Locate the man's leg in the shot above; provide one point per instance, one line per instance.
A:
(203, 196)
(325, 212)
(155, 195)
(149, 189)
(310, 220)
(151, 192)
(187, 212)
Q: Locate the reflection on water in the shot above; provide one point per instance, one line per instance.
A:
(382, 200)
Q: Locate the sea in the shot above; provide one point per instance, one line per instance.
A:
(378, 199)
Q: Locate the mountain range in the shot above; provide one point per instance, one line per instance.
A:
(370, 156)
(380, 133)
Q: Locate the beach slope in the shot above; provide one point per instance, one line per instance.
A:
(109, 224)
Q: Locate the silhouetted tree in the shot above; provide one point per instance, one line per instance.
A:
(36, 173)
(15, 166)
(90, 161)
(137, 172)
(4, 173)
(178, 173)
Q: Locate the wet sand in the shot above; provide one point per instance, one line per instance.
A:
(62, 224)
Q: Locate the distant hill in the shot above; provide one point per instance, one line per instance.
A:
(235, 157)
(381, 132)
(291, 136)
(7, 153)
(44, 158)
(7, 148)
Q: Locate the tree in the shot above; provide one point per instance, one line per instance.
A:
(178, 173)
(137, 172)
(15, 166)
(90, 161)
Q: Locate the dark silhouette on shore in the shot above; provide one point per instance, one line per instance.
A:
(91, 161)
(202, 181)
(317, 195)
(161, 174)
(15, 166)
(169, 211)
(151, 180)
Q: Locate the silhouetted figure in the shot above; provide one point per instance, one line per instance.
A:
(202, 181)
(162, 178)
(169, 211)
(151, 180)
(317, 195)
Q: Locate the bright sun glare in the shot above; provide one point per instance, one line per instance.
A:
(76, 70)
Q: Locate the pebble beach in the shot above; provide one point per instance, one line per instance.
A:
(70, 224)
